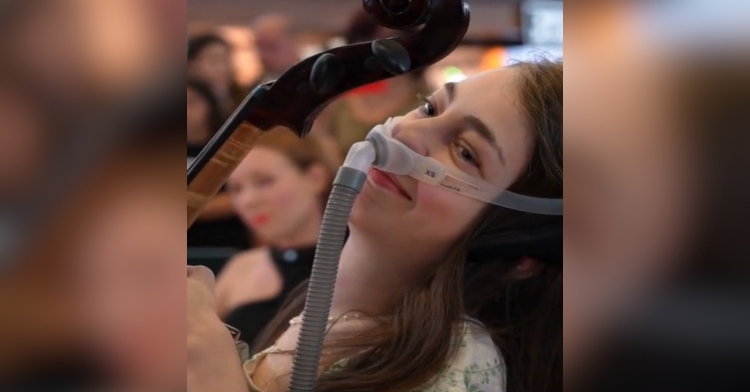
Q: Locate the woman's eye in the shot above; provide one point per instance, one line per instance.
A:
(428, 108)
(466, 154)
(266, 181)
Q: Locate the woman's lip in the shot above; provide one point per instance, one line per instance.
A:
(259, 220)
(385, 180)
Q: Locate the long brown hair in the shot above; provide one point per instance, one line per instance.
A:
(524, 316)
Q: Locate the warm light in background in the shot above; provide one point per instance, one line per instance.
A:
(494, 58)
(457, 66)
(119, 40)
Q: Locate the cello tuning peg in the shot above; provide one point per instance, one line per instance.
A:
(391, 56)
(396, 7)
(326, 73)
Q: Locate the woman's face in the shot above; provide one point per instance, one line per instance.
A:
(133, 288)
(274, 197)
(198, 111)
(475, 127)
(213, 65)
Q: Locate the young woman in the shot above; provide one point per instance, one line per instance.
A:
(441, 292)
(279, 191)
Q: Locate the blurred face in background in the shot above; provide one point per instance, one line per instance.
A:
(198, 111)
(274, 198)
(275, 44)
(629, 192)
(43, 44)
(132, 285)
(213, 65)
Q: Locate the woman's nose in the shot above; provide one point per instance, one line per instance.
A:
(413, 133)
(248, 199)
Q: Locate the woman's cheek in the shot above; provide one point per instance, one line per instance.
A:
(430, 198)
(284, 198)
(440, 205)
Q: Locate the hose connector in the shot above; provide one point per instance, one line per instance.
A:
(361, 156)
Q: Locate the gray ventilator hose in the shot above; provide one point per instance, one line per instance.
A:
(346, 186)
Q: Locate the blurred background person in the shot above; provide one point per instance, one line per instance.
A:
(130, 254)
(73, 272)
(280, 191)
(629, 220)
(350, 118)
(122, 55)
(45, 56)
(60, 79)
(218, 225)
(276, 45)
(655, 251)
(209, 60)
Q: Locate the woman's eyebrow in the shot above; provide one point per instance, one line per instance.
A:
(481, 128)
(476, 124)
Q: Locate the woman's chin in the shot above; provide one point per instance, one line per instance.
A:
(375, 222)
(361, 215)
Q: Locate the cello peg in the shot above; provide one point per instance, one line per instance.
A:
(395, 7)
(326, 73)
(391, 56)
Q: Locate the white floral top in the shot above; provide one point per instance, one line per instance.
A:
(477, 366)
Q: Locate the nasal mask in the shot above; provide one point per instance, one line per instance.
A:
(395, 157)
(382, 151)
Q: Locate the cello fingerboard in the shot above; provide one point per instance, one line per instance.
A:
(217, 170)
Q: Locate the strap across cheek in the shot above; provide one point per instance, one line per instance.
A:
(397, 158)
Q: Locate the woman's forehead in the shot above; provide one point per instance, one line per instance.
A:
(493, 90)
(495, 81)
(260, 158)
(490, 96)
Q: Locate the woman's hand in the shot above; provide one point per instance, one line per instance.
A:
(213, 363)
(201, 301)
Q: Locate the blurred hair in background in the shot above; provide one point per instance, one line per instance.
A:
(209, 59)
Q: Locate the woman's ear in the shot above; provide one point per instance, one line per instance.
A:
(526, 268)
(318, 177)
